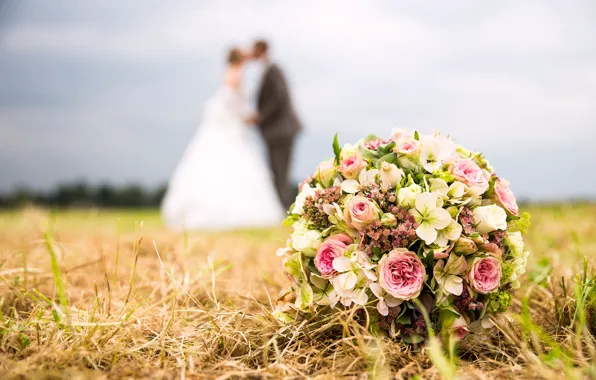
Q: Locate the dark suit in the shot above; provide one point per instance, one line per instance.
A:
(279, 126)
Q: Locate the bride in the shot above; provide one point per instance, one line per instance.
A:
(222, 182)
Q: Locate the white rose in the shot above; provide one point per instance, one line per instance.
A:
(299, 204)
(490, 218)
(406, 197)
(390, 174)
(305, 240)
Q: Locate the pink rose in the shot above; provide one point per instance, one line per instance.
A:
(373, 144)
(351, 166)
(469, 173)
(506, 197)
(485, 274)
(360, 212)
(408, 146)
(333, 247)
(401, 274)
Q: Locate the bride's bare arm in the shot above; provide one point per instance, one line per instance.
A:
(233, 79)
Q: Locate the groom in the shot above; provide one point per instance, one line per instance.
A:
(276, 119)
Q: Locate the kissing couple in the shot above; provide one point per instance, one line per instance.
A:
(222, 182)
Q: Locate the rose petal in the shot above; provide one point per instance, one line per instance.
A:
(391, 301)
(342, 264)
(376, 289)
(329, 209)
(440, 218)
(426, 233)
(453, 286)
(382, 307)
(369, 274)
(333, 298)
(425, 202)
(453, 231)
(362, 298)
(350, 186)
(347, 281)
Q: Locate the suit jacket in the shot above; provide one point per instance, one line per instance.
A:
(278, 117)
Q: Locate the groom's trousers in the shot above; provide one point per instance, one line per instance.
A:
(280, 157)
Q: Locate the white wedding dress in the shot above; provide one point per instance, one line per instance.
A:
(222, 181)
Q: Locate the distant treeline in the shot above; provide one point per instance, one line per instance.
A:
(82, 194)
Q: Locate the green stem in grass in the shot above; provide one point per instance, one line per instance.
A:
(60, 287)
(445, 365)
(134, 269)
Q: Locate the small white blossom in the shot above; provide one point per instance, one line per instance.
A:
(385, 300)
(429, 217)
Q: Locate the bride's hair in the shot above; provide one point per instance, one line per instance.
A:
(235, 56)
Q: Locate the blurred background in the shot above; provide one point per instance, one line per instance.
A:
(98, 100)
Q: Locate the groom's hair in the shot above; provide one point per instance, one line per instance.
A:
(261, 46)
(234, 56)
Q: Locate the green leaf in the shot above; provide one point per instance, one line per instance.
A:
(293, 265)
(25, 341)
(369, 155)
(404, 319)
(377, 254)
(306, 295)
(540, 272)
(416, 135)
(284, 317)
(389, 157)
(313, 268)
(387, 148)
(336, 149)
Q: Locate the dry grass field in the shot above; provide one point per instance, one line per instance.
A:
(113, 294)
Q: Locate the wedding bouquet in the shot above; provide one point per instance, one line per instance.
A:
(403, 226)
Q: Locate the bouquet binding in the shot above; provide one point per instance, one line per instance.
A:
(397, 225)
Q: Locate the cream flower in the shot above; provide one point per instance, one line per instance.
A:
(490, 218)
(450, 233)
(304, 239)
(448, 275)
(366, 177)
(435, 152)
(429, 217)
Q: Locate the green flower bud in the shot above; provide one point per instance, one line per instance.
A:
(465, 246)
(388, 220)
(492, 249)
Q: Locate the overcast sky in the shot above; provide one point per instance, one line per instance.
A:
(113, 90)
